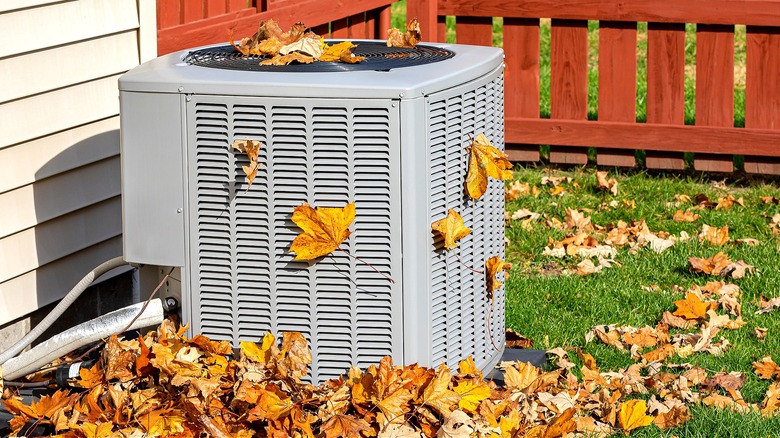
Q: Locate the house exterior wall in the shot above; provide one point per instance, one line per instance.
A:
(60, 209)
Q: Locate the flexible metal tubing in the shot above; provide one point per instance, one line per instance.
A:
(84, 334)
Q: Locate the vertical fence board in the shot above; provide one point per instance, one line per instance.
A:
(474, 30)
(384, 22)
(339, 28)
(168, 13)
(426, 13)
(521, 79)
(762, 90)
(192, 10)
(714, 88)
(357, 26)
(665, 86)
(322, 30)
(617, 84)
(569, 81)
(236, 5)
(371, 24)
(441, 29)
(215, 7)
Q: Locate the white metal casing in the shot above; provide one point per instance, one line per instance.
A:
(392, 141)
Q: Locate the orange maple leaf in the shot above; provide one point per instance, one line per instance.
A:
(485, 161)
(324, 229)
(452, 228)
(344, 426)
(691, 307)
(766, 368)
(633, 414)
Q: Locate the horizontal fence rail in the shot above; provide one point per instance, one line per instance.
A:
(616, 134)
(183, 24)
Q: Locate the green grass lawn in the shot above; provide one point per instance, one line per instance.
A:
(557, 310)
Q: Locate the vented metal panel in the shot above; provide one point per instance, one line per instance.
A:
(243, 279)
(460, 304)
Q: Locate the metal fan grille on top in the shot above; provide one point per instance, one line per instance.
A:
(379, 57)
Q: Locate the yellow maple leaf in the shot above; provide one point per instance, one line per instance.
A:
(252, 151)
(340, 52)
(324, 229)
(494, 265)
(261, 354)
(437, 395)
(633, 414)
(485, 161)
(691, 307)
(91, 430)
(452, 228)
(467, 366)
(471, 394)
(520, 375)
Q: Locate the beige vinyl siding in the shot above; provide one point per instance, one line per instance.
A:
(60, 202)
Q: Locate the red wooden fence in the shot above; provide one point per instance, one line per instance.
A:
(616, 134)
(182, 24)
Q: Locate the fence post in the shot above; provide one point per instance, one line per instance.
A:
(426, 12)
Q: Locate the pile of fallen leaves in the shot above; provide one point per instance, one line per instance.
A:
(164, 384)
(296, 45)
(303, 46)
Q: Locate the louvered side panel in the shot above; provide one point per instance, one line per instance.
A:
(460, 305)
(213, 251)
(326, 153)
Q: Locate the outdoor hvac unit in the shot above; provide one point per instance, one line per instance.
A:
(389, 133)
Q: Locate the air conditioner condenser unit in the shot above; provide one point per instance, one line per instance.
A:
(389, 134)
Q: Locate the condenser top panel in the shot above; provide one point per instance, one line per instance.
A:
(386, 73)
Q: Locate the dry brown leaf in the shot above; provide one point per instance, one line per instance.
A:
(345, 426)
(324, 229)
(298, 57)
(770, 200)
(766, 368)
(607, 184)
(452, 228)
(711, 266)
(518, 189)
(561, 425)
(771, 403)
(674, 417)
(733, 381)
(728, 201)
(760, 333)
(714, 236)
(485, 161)
(405, 40)
(516, 340)
(685, 216)
(768, 305)
(520, 375)
(457, 425)
(493, 266)
(252, 150)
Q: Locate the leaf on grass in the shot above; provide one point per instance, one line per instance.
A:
(713, 235)
(691, 307)
(485, 161)
(733, 381)
(760, 333)
(606, 184)
(770, 200)
(409, 39)
(324, 229)
(711, 266)
(703, 200)
(493, 266)
(452, 228)
(727, 202)
(633, 415)
(674, 417)
(768, 305)
(771, 403)
(685, 216)
(517, 189)
(766, 368)
(252, 150)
